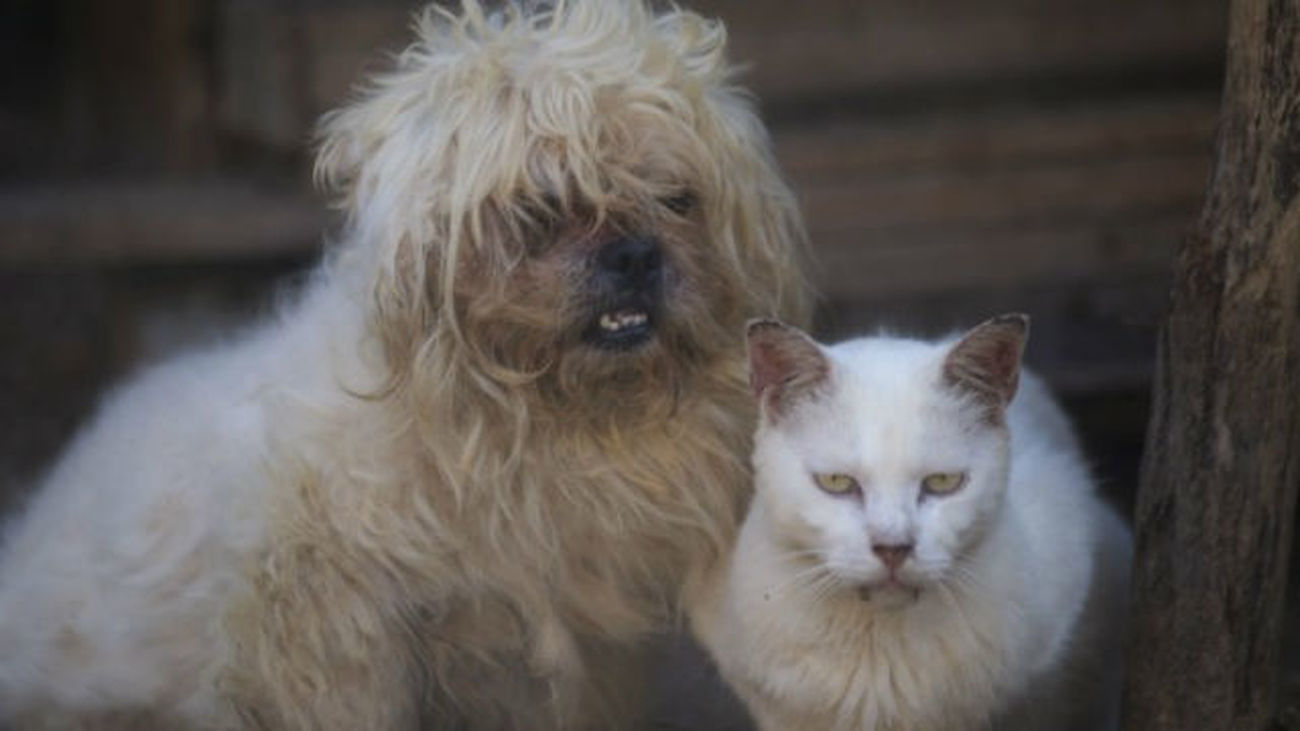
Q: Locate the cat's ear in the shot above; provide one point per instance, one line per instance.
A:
(986, 362)
(784, 364)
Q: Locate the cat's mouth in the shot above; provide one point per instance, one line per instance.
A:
(889, 594)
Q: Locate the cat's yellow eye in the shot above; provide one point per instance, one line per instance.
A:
(834, 483)
(943, 483)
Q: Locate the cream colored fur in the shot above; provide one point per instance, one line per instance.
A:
(417, 497)
(1021, 575)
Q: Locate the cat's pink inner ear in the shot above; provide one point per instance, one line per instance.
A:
(784, 362)
(987, 360)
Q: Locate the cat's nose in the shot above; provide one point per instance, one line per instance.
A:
(892, 555)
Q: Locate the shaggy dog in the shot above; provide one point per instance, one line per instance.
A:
(464, 477)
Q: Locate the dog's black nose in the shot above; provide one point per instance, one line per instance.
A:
(631, 261)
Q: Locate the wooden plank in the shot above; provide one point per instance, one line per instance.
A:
(992, 196)
(155, 221)
(837, 46)
(998, 196)
(833, 52)
(1089, 193)
(1007, 134)
(283, 66)
(1090, 333)
(965, 259)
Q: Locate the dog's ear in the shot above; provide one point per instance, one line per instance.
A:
(785, 365)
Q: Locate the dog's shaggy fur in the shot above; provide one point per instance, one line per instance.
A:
(448, 486)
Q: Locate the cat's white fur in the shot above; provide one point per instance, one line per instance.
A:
(1021, 573)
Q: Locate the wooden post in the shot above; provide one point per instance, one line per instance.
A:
(1219, 479)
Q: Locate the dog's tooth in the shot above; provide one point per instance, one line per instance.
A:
(615, 321)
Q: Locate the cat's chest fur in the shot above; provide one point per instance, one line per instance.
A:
(834, 661)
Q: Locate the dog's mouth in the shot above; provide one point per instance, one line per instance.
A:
(621, 328)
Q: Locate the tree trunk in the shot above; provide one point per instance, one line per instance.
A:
(1219, 479)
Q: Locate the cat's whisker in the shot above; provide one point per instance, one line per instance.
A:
(976, 595)
(813, 584)
(827, 585)
(972, 584)
(804, 558)
(805, 579)
(955, 604)
(963, 585)
(802, 554)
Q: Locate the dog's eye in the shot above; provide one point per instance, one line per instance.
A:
(681, 204)
(541, 221)
(543, 213)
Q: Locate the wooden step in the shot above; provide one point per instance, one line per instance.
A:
(138, 221)
(1000, 196)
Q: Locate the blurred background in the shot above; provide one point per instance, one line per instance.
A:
(955, 160)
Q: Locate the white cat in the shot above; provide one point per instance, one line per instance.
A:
(921, 552)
